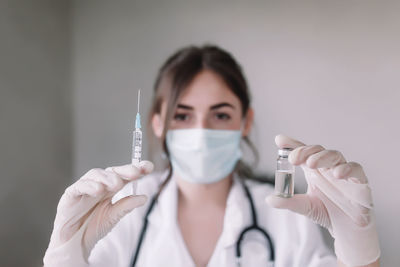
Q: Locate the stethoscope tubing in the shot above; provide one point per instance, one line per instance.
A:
(253, 227)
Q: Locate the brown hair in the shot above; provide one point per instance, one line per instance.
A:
(177, 73)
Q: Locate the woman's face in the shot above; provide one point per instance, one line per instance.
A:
(206, 103)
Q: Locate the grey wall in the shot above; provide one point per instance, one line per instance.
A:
(35, 125)
(322, 71)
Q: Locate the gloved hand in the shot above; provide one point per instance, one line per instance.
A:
(338, 197)
(85, 213)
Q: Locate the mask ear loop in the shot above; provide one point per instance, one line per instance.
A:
(242, 126)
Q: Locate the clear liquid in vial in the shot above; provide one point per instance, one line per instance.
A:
(284, 183)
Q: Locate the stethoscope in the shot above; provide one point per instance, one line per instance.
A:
(253, 227)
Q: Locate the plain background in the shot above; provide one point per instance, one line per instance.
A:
(324, 72)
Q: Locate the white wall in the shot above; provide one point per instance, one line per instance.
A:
(325, 72)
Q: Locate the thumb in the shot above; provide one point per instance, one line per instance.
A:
(299, 203)
(124, 206)
(303, 204)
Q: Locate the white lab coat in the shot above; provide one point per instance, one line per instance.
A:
(297, 241)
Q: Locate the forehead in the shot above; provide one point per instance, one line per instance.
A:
(207, 89)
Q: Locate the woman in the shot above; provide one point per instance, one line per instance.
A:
(201, 112)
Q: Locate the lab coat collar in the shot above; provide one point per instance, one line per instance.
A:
(237, 213)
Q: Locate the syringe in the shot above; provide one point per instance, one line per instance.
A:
(137, 142)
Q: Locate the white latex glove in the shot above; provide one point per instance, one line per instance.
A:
(338, 197)
(85, 213)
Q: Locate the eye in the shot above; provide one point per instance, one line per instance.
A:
(223, 116)
(181, 117)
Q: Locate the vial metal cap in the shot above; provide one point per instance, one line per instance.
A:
(284, 152)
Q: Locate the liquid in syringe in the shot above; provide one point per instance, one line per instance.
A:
(137, 137)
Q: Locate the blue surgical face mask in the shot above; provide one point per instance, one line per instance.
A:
(203, 156)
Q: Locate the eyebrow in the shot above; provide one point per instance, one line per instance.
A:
(216, 106)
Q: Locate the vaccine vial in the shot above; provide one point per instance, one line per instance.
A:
(284, 174)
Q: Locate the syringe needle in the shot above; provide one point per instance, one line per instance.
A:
(138, 101)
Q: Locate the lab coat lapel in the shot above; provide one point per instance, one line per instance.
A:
(165, 210)
(236, 214)
(167, 244)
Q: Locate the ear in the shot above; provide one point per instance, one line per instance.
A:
(249, 122)
(157, 125)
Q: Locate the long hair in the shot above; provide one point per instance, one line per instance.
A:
(176, 74)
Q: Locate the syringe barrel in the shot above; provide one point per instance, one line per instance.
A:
(137, 146)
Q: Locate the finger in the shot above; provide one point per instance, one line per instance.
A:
(325, 159)
(127, 204)
(350, 170)
(299, 203)
(127, 172)
(78, 199)
(299, 155)
(132, 172)
(123, 207)
(283, 141)
(84, 187)
(146, 166)
(109, 179)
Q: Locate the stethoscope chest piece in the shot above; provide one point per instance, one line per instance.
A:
(253, 227)
(239, 263)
